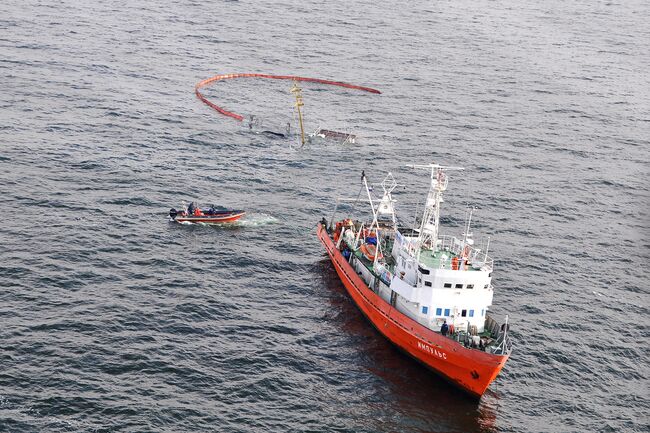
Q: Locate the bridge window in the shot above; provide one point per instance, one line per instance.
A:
(459, 286)
(427, 283)
(438, 311)
(470, 286)
(447, 285)
(471, 313)
(425, 310)
(423, 271)
(463, 313)
(446, 312)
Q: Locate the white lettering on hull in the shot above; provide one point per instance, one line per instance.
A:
(426, 348)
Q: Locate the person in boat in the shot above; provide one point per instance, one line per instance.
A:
(191, 208)
(444, 329)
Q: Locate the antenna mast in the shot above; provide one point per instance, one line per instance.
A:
(430, 224)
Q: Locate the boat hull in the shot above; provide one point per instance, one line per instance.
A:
(210, 219)
(469, 369)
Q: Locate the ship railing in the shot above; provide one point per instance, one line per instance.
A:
(504, 345)
(500, 334)
(475, 256)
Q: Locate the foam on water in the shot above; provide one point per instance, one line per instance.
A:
(256, 220)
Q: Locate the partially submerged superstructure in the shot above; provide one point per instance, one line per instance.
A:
(336, 136)
(271, 128)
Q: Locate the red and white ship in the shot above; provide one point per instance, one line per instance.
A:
(428, 294)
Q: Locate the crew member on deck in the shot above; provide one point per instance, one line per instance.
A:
(444, 329)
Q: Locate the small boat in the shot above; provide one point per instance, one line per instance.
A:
(212, 215)
(369, 249)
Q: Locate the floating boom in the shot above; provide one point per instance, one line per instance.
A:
(273, 77)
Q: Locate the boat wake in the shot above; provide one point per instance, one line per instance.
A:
(256, 220)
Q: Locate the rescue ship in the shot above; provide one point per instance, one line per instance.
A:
(429, 294)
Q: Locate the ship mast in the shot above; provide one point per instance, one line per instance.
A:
(467, 236)
(430, 225)
(297, 92)
(384, 208)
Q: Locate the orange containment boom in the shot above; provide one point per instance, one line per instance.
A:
(274, 77)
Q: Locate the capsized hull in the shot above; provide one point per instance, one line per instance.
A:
(469, 369)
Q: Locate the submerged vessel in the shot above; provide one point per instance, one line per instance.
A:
(428, 294)
(337, 136)
(212, 215)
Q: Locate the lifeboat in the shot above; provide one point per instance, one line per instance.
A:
(369, 251)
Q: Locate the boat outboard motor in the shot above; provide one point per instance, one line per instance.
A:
(173, 213)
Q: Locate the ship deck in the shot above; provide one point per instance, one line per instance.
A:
(435, 260)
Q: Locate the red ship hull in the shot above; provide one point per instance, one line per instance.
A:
(470, 369)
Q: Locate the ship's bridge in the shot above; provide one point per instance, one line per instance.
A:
(451, 282)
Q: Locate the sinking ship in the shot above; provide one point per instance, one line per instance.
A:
(429, 294)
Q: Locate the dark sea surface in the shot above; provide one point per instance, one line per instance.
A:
(112, 319)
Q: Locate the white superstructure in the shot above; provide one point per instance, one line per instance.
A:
(427, 276)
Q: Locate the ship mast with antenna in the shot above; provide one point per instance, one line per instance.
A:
(297, 92)
(430, 225)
